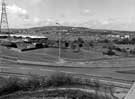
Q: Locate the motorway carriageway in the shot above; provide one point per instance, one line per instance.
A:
(102, 74)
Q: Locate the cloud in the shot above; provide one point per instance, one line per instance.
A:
(17, 16)
(86, 12)
(45, 22)
(16, 10)
(36, 20)
(34, 2)
(109, 23)
(104, 22)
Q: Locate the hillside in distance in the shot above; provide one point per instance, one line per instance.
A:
(68, 29)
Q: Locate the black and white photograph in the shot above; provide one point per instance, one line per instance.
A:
(67, 49)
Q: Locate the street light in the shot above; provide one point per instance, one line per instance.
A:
(61, 60)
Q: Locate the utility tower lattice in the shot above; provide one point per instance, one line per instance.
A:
(4, 28)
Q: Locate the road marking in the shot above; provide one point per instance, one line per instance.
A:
(69, 72)
(25, 68)
(131, 93)
(48, 70)
(5, 67)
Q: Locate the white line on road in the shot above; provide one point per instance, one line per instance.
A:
(5, 67)
(48, 70)
(25, 68)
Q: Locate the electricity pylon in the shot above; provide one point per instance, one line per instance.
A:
(4, 28)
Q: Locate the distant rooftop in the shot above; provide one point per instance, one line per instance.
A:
(28, 35)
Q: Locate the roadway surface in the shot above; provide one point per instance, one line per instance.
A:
(105, 75)
(102, 74)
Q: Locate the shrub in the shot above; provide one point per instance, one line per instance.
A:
(59, 79)
(35, 82)
(109, 52)
(14, 84)
(118, 49)
(11, 85)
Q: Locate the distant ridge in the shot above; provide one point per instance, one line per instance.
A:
(70, 28)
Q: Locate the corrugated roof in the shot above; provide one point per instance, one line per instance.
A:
(28, 35)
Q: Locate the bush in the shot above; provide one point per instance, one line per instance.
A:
(35, 82)
(132, 51)
(59, 79)
(12, 84)
(118, 49)
(109, 52)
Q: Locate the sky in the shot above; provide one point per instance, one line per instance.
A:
(99, 14)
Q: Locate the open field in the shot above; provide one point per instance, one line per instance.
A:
(85, 58)
(52, 54)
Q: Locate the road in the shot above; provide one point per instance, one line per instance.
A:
(105, 75)
(9, 66)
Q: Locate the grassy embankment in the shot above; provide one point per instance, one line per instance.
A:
(16, 88)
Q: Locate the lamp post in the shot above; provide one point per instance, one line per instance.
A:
(61, 60)
(59, 57)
